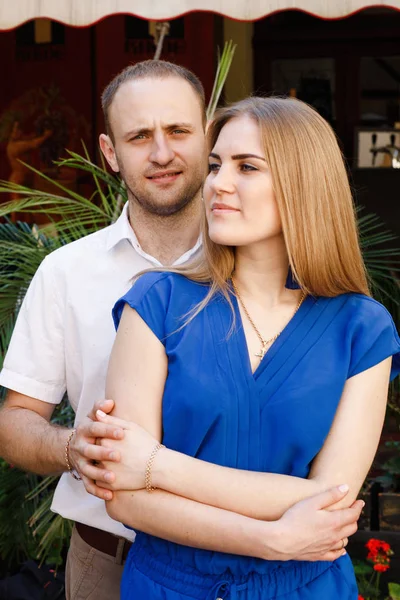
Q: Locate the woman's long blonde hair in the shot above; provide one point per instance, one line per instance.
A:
(314, 199)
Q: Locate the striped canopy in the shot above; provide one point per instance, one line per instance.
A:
(86, 12)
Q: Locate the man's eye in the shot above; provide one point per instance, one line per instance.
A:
(179, 131)
(213, 167)
(140, 136)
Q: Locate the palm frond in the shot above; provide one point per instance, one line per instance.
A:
(223, 66)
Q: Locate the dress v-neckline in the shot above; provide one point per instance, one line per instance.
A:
(274, 347)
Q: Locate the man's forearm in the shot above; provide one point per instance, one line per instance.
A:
(31, 443)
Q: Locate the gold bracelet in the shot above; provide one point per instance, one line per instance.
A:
(73, 472)
(147, 475)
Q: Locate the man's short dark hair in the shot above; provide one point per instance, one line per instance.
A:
(157, 69)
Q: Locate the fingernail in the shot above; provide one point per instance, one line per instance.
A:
(107, 496)
(344, 552)
(100, 413)
(112, 456)
(343, 488)
(108, 476)
(363, 503)
(118, 433)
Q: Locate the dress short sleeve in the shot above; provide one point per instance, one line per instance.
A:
(149, 296)
(374, 339)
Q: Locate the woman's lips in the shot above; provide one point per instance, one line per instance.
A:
(221, 208)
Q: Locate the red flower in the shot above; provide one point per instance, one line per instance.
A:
(360, 597)
(375, 546)
(381, 568)
(379, 553)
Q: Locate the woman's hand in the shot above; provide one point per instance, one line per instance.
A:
(310, 531)
(134, 451)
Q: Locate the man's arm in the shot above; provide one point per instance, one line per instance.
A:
(34, 373)
(29, 441)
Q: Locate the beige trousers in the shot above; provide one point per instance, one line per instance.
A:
(90, 574)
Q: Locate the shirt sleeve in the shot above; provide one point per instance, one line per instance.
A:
(35, 363)
(375, 338)
(150, 297)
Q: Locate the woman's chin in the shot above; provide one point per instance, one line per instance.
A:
(223, 239)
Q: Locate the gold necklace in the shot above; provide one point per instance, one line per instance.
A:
(264, 343)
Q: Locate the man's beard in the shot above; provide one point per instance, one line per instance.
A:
(149, 203)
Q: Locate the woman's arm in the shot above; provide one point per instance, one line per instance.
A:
(136, 379)
(346, 456)
(306, 532)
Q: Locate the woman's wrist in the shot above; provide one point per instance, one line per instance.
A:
(269, 541)
(159, 467)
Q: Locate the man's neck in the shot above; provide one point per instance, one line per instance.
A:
(166, 238)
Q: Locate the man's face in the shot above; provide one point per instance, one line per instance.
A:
(159, 143)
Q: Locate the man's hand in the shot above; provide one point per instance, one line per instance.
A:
(85, 453)
(310, 531)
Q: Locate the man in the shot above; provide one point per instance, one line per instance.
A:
(155, 118)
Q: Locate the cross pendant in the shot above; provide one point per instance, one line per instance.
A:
(263, 351)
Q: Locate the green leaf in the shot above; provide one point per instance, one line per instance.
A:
(362, 568)
(394, 591)
(224, 64)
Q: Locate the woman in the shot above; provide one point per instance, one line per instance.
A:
(263, 369)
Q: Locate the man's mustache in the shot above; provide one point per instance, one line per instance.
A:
(173, 167)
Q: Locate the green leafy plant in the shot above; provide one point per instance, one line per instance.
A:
(394, 591)
(390, 480)
(224, 64)
(368, 573)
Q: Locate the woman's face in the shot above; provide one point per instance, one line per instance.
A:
(239, 198)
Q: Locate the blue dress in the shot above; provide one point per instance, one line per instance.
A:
(273, 420)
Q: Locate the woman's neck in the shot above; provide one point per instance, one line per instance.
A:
(261, 271)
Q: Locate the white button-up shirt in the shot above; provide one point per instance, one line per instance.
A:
(64, 334)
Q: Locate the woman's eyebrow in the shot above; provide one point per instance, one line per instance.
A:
(238, 156)
(242, 156)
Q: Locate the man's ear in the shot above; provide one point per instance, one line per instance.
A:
(107, 148)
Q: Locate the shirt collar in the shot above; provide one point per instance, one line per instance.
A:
(122, 230)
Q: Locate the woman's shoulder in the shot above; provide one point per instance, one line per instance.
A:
(164, 291)
(167, 281)
(365, 309)
(371, 332)
(159, 297)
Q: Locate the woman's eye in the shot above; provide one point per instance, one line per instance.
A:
(213, 167)
(247, 168)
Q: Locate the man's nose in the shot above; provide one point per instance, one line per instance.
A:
(161, 151)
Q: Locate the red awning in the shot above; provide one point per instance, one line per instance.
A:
(85, 12)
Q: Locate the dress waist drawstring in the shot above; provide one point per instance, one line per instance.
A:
(228, 589)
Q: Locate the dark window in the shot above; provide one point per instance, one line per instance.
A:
(136, 28)
(177, 28)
